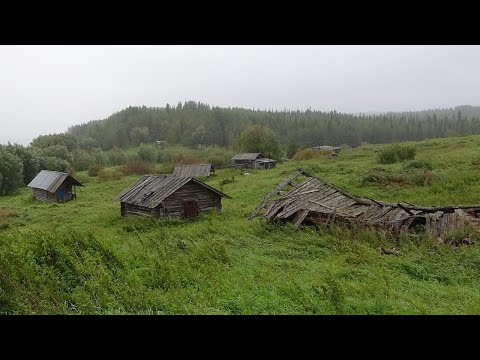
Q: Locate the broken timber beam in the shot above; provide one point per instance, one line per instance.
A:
(275, 191)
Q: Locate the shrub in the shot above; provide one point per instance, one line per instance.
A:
(419, 164)
(385, 179)
(190, 159)
(304, 154)
(423, 179)
(147, 153)
(396, 153)
(94, 169)
(137, 167)
(165, 168)
(106, 175)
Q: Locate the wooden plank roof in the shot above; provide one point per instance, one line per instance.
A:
(150, 190)
(247, 156)
(319, 201)
(51, 180)
(193, 170)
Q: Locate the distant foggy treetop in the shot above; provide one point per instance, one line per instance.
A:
(193, 123)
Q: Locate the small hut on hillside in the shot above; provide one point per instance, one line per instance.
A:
(162, 196)
(253, 161)
(54, 186)
(315, 201)
(194, 170)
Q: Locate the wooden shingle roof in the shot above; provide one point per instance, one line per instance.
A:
(150, 190)
(193, 170)
(320, 202)
(247, 156)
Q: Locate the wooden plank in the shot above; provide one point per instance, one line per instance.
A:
(275, 191)
(300, 216)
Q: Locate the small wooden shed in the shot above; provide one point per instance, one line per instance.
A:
(194, 170)
(253, 160)
(54, 186)
(162, 196)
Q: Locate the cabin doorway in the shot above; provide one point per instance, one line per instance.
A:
(190, 208)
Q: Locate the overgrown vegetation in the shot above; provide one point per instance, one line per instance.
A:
(396, 153)
(82, 257)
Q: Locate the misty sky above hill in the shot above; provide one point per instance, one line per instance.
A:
(46, 89)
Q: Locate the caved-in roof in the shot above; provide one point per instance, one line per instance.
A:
(318, 201)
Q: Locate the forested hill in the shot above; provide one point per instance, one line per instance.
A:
(193, 123)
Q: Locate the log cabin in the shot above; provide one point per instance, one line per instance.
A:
(253, 161)
(161, 196)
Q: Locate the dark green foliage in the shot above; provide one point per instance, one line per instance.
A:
(116, 156)
(147, 153)
(227, 180)
(94, 170)
(54, 164)
(30, 158)
(45, 141)
(11, 172)
(396, 153)
(58, 151)
(419, 164)
(194, 123)
(139, 135)
(82, 160)
(292, 149)
(260, 139)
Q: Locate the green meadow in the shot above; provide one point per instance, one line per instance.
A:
(82, 257)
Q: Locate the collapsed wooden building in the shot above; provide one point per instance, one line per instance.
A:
(253, 161)
(203, 170)
(161, 196)
(315, 201)
(54, 186)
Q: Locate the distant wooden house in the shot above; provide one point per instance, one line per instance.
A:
(54, 186)
(253, 161)
(162, 196)
(194, 170)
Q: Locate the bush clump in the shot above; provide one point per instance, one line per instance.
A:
(396, 153)
(305, 154)
(419, 164)
(137, 168)
(94, 170)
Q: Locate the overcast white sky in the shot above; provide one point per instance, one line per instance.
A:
(46, 89)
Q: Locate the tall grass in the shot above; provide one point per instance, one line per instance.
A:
(82, 257)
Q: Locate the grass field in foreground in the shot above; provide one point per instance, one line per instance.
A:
(82, 257)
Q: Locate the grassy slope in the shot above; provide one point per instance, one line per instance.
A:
(82, 257)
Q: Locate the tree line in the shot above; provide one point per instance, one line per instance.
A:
(195, 132)
(194, 123)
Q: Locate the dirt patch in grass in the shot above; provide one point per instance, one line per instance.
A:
(4, 213)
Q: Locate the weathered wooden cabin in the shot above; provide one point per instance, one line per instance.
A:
(194, 170)
(162, 196)
(253, 161)
(54, 186)
(315, 201)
